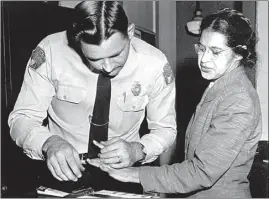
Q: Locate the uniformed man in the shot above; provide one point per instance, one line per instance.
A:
(61, 82)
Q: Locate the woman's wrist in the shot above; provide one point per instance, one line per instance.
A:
(136, 174)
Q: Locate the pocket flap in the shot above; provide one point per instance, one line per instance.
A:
(71, 94)
(135, 103)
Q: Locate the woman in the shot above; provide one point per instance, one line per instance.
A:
(224, 131)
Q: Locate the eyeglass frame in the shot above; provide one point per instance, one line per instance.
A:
(214, 55)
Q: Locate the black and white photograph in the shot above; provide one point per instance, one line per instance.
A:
(134, 99)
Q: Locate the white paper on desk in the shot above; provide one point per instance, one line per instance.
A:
(51, 192)
(121, 194)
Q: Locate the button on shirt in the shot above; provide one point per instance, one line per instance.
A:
(63, 88)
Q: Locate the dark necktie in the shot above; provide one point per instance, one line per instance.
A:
(100, 117)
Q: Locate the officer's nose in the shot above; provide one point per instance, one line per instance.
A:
(107, 66)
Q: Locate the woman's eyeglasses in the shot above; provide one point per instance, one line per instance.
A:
(201, 49)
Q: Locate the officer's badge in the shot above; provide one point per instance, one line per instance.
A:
(37, 58)
(168, 74)
(136, 89)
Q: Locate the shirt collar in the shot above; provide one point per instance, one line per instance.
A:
(229, 78)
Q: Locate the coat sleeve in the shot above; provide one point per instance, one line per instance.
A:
(230, 128)
(161, 115)
(31, 107)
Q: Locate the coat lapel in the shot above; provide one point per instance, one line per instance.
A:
(221, 83)
(210, 94)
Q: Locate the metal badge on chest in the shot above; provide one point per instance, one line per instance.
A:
(136, 89)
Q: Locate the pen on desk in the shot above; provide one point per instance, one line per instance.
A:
(98, 144)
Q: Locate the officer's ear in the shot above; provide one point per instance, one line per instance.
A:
(131, 30)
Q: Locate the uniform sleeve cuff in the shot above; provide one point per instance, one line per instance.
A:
(34, 142)
(152, 149)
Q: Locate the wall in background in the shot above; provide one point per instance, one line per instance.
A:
(166, 31)
(140, 13)
(68, 4)
(262, 72)
(249, 10)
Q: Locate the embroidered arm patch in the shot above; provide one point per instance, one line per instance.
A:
(168, 74)
(37, 58)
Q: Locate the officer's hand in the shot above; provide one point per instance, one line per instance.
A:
(62, 159)
(119, 153)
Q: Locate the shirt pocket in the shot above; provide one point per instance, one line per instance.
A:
(70, 93)
(132, 104)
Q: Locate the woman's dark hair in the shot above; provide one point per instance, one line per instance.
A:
(96, 21)
(237, 29)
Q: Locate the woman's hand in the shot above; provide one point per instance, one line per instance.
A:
(130, 174)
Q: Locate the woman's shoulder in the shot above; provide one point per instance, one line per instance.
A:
(240, 94)
(241, 85)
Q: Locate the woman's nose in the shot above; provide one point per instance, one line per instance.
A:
(206, 56)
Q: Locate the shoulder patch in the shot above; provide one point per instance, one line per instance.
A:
(37, 58)
(168, 74)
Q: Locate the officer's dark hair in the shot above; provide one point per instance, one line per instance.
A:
(96, 21)
(237, 29)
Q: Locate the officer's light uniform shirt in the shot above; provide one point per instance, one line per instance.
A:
(59, 84)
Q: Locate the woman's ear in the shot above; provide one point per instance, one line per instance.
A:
(243, 46)
(238, 57)
(131, 29)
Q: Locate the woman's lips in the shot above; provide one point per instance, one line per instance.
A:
(205, 69)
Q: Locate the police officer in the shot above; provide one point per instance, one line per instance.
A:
(61, 82)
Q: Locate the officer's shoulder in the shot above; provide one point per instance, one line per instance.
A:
(146, 50)
(55, 38)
